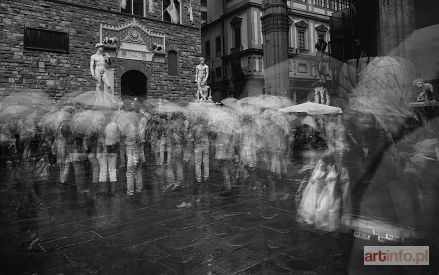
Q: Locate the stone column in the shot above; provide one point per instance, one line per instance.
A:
(397, 22)
(275, 26)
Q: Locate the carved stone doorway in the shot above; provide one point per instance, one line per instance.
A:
(134, 84)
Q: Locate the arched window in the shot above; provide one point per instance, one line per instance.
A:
(172, 63)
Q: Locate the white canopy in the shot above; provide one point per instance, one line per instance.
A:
(312, 108)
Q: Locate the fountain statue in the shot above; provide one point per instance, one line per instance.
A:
(201, 76)
(321, 94)
(98, 68)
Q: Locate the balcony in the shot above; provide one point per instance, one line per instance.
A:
(236, 49)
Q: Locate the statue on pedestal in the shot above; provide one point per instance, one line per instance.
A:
(98, 63)
(424, 90)
(201, 76)
(321, 93)
(321, 48)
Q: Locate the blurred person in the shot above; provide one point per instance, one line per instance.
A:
(165, 143)
(381, 202)
(201, 148)
(135, 158)
(61, 147)
(78, 159)
(177, 140)
(107, 152)
(224, 153)
(248, 145)
(188, 142)
(92, 147)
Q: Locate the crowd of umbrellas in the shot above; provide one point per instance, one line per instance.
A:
(252, 131)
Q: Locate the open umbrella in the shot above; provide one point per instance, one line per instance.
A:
(278, 118)
(222, 120)
(50, 122)
(88, 122)
(126, 121)
(32, 121)
(268, 101)
(111, 133)
(312, 108)
(229, 101)
(169, 107)
(385, 91)
(13, 116)
(245, 109)
(13, 111)
(272, 101)
(252, 100)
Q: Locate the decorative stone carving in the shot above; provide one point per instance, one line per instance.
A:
(136, 41)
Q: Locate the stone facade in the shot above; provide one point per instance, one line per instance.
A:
(60, 73)
(238, 68)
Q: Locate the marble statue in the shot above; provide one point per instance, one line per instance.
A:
(201, 76)
(98, 63)
(424, 90)
(321, 48)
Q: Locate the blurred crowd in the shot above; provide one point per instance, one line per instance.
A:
(92, 145)
(371, 170)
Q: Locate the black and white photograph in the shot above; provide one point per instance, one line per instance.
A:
(219, 137)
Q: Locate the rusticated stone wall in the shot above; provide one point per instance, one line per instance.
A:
(60, 73)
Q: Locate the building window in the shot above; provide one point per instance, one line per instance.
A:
(172, 11)
(134, 7)
(319, 3)
(46, 40)
(237, 37)
(172, 63)
(218, 46)
(301, 40)
(236, 27)
(302, 68)
(338, 5)
(218, 72)
(207, 50)
(204, 15)
(321, 36)
(204, 3)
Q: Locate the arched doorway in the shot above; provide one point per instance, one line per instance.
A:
(134, 84)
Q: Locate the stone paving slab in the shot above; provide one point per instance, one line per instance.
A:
(253, 231)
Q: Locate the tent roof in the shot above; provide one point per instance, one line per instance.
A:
(312, 109)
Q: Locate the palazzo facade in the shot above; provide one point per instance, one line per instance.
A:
(154, 44)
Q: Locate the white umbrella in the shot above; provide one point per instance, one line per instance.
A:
(312, 108)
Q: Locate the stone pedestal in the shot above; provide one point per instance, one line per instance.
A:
(107, 97)
(110, 76)
(275, 27)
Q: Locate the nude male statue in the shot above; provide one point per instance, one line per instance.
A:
(97, 69)
(202, 73)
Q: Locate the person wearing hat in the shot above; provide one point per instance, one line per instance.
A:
(97, 68)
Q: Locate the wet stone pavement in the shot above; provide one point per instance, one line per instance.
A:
(250, 231)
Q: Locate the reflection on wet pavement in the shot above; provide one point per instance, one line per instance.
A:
(251, 230)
